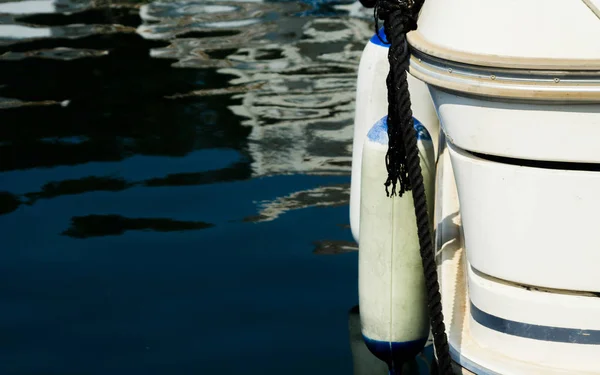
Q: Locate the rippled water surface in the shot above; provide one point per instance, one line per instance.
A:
(174, 183)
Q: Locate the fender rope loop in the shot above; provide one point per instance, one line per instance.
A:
(402, 159)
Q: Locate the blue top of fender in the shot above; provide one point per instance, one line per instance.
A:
(378, 132)
(377, 41)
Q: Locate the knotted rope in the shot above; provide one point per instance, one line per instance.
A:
(402, 159)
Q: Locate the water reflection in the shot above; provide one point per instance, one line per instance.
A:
(153, 150)
(330, 247)
(335, 195)
(8, 202)
(167, 78)
(53, 189)
(110, 225)
(289, 93)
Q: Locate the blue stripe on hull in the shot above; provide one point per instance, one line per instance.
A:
(535, 332)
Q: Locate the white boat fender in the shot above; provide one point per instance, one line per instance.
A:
(372, 104)
(407, 303)
(392, 291)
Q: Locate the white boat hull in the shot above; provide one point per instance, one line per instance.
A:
(518, 180)
(495, 327)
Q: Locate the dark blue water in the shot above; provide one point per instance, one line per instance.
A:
(174, 187)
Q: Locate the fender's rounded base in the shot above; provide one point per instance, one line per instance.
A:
(395, 354)
(392, 292)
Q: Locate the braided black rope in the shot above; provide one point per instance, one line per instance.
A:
(402, 159)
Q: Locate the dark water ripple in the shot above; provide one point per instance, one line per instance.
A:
(255, 77)
(170, 174)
